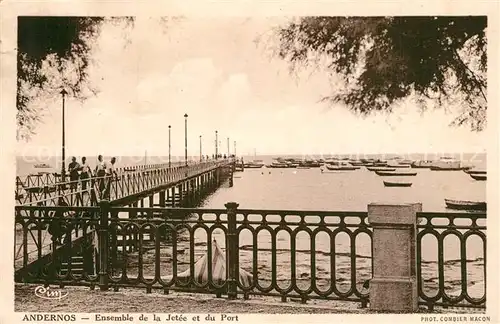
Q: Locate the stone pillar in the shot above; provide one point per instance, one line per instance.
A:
(393, 287)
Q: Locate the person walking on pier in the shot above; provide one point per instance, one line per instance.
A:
(85, 173)
(111, 176)
(100, 173)
(57, 226)
(73, 168)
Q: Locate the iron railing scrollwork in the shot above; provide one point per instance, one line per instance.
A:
(286, 253)
(464, 227)
(156, 247)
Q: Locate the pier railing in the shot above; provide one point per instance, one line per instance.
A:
(49, 191)
(289, 254)
(440, 234)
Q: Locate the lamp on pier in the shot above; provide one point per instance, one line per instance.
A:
(201, 156)
(63, 167)
(216, 142)
(169, 147)
(185, 139)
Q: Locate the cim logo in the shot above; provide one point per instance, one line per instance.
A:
(48, 293)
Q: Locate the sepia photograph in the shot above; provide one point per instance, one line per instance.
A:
(231, 165)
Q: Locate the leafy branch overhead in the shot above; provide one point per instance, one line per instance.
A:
(382, 60)
(53, 52)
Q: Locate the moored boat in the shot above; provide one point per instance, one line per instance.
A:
(393, 173)
(451, 168)
(479, 177)
(465, 204)
(255, 164)
(475, 171)
(448, 164)
(397, 184)
(375, 168)
(310, 163)
(276, 164)
(340, 168)
(398, 166)
(356, 163)
(422, 164)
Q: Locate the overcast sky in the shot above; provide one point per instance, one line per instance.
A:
(214, 70)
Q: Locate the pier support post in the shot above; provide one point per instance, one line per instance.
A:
(232, 247)
(393, 287)
(103, 245)
(181, 194)
(162, 198)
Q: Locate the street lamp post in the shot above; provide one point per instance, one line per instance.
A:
(185, 139)
(169, 147)
(200, 151)
(63, 167)
(216, 142)
(228, 151)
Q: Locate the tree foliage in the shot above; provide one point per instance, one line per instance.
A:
(53, 53)
(383, 60)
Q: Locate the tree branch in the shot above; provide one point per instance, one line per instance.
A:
(473, 75)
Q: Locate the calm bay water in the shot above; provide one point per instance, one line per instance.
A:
(309, 189)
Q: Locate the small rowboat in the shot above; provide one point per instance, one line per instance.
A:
(438, 168)
(397, 184)
(389, 173)
(465, 204)
(479, 177)
(380, 169)
(341, 168)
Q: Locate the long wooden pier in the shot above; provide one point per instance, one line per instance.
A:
(130, 184)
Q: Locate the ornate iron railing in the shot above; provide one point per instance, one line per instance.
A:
(39, 254)
(288, 253)
(450, 271)
(291, 254)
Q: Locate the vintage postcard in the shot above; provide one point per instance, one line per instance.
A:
(257, 161)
